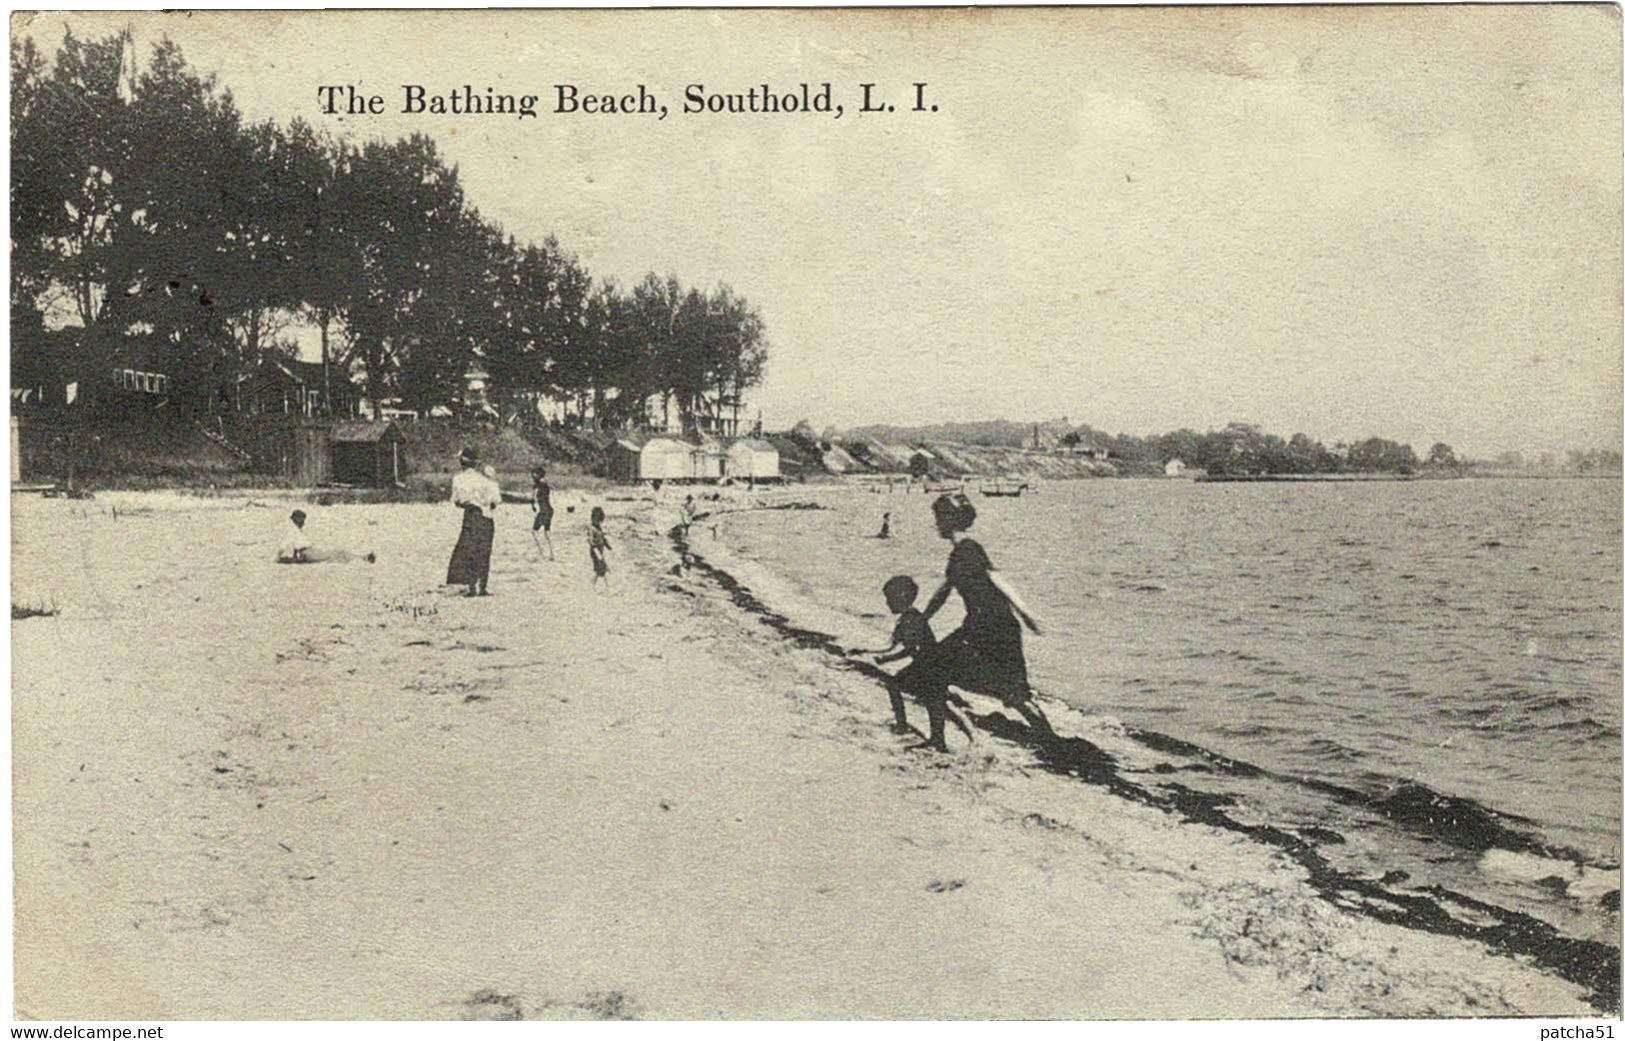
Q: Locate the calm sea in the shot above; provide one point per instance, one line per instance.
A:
(1410, 642)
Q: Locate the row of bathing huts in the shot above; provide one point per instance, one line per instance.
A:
(373, 454)
(637, 459)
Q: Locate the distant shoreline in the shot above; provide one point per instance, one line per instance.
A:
(1361, 477)
(1302, 478)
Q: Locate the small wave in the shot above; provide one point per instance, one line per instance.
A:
(1325, 748)
(1584, 723)
(1245, 730)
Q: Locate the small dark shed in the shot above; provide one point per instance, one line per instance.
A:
(367, 453)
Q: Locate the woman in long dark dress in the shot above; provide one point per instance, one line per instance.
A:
(984, 655)
(478, 496)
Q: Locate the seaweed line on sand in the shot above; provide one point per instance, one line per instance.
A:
(1587, 963)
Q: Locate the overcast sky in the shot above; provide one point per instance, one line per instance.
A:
(1395, 221)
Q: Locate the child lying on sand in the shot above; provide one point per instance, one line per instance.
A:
(296, 548)
(923, 677)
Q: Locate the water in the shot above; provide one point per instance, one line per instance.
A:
(1392, 641)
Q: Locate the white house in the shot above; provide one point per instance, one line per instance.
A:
(753, 458)
(1175, 468)
(476, 390)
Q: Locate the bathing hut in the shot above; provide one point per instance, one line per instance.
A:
(665, 459)
(754, 459)
(624, 456)
(367, 453)
(709, 461)
(919, 464)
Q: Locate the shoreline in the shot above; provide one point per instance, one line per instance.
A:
(1592, 965)
(391, 802)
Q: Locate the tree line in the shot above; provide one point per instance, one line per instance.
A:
(1244, 448)
(147, 210)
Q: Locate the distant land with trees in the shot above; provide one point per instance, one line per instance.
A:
(1241, 448)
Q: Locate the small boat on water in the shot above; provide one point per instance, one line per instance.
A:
(939, 489)
(1006, 489)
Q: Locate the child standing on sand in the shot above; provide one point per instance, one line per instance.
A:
(597, 546)
(923, 677)
(541, 501)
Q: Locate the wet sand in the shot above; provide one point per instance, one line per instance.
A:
(244, 790)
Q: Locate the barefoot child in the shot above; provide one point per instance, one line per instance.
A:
(922, 677)
(597, 546)
(541, 501)
(295, 545)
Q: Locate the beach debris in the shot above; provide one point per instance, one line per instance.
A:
(609, 1004)
(31, 610)
(940, 886)
(1554, 884)
(483, 648)
(487, 1004)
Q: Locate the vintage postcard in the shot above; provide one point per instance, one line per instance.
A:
(876, 514)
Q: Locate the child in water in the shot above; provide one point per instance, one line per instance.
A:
(923, 676)
(597, 546)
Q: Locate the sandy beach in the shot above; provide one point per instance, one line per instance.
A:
(244, 790)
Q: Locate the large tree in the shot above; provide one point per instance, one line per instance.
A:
(408, 226)
(73, 204)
